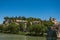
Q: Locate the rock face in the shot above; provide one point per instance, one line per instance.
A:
(57, 24)
(21, 21)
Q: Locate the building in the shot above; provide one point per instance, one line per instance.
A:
(7, 22)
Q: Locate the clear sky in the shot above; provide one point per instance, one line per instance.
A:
(36, 8)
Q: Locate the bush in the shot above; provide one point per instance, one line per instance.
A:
(13, 28)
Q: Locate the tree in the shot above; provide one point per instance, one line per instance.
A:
(30, 19)
(19, 18)
(47, 23)
(1, 28)
(36, 28)
(13, 28)
(30, 29)
(28, 25)
(23, 18)
(50, 19)
(43, 29)
(6, 18)
(50, 23)
(21, 26)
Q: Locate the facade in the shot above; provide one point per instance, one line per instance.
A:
(21, 21)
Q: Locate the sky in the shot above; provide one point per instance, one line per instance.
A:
(43, 9)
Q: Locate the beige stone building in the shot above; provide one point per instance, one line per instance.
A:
(21, 21)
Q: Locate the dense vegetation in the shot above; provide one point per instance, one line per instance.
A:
(37, 29)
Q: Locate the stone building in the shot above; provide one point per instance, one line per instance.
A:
(7, 22)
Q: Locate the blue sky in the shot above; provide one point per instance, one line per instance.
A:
(30, 8)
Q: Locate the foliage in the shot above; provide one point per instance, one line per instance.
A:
(34, 28)
(13, 28)
(21, 26)
(1, 28)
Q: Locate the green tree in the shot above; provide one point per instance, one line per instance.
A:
(43, 29)
(23, 18)
(47, 23)
(28, 25)
(1, 28)
(13, 28)
(30, 19)
(36, 28)
(21, 26)
(6, 18)
(20, 18)
(50, 23)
